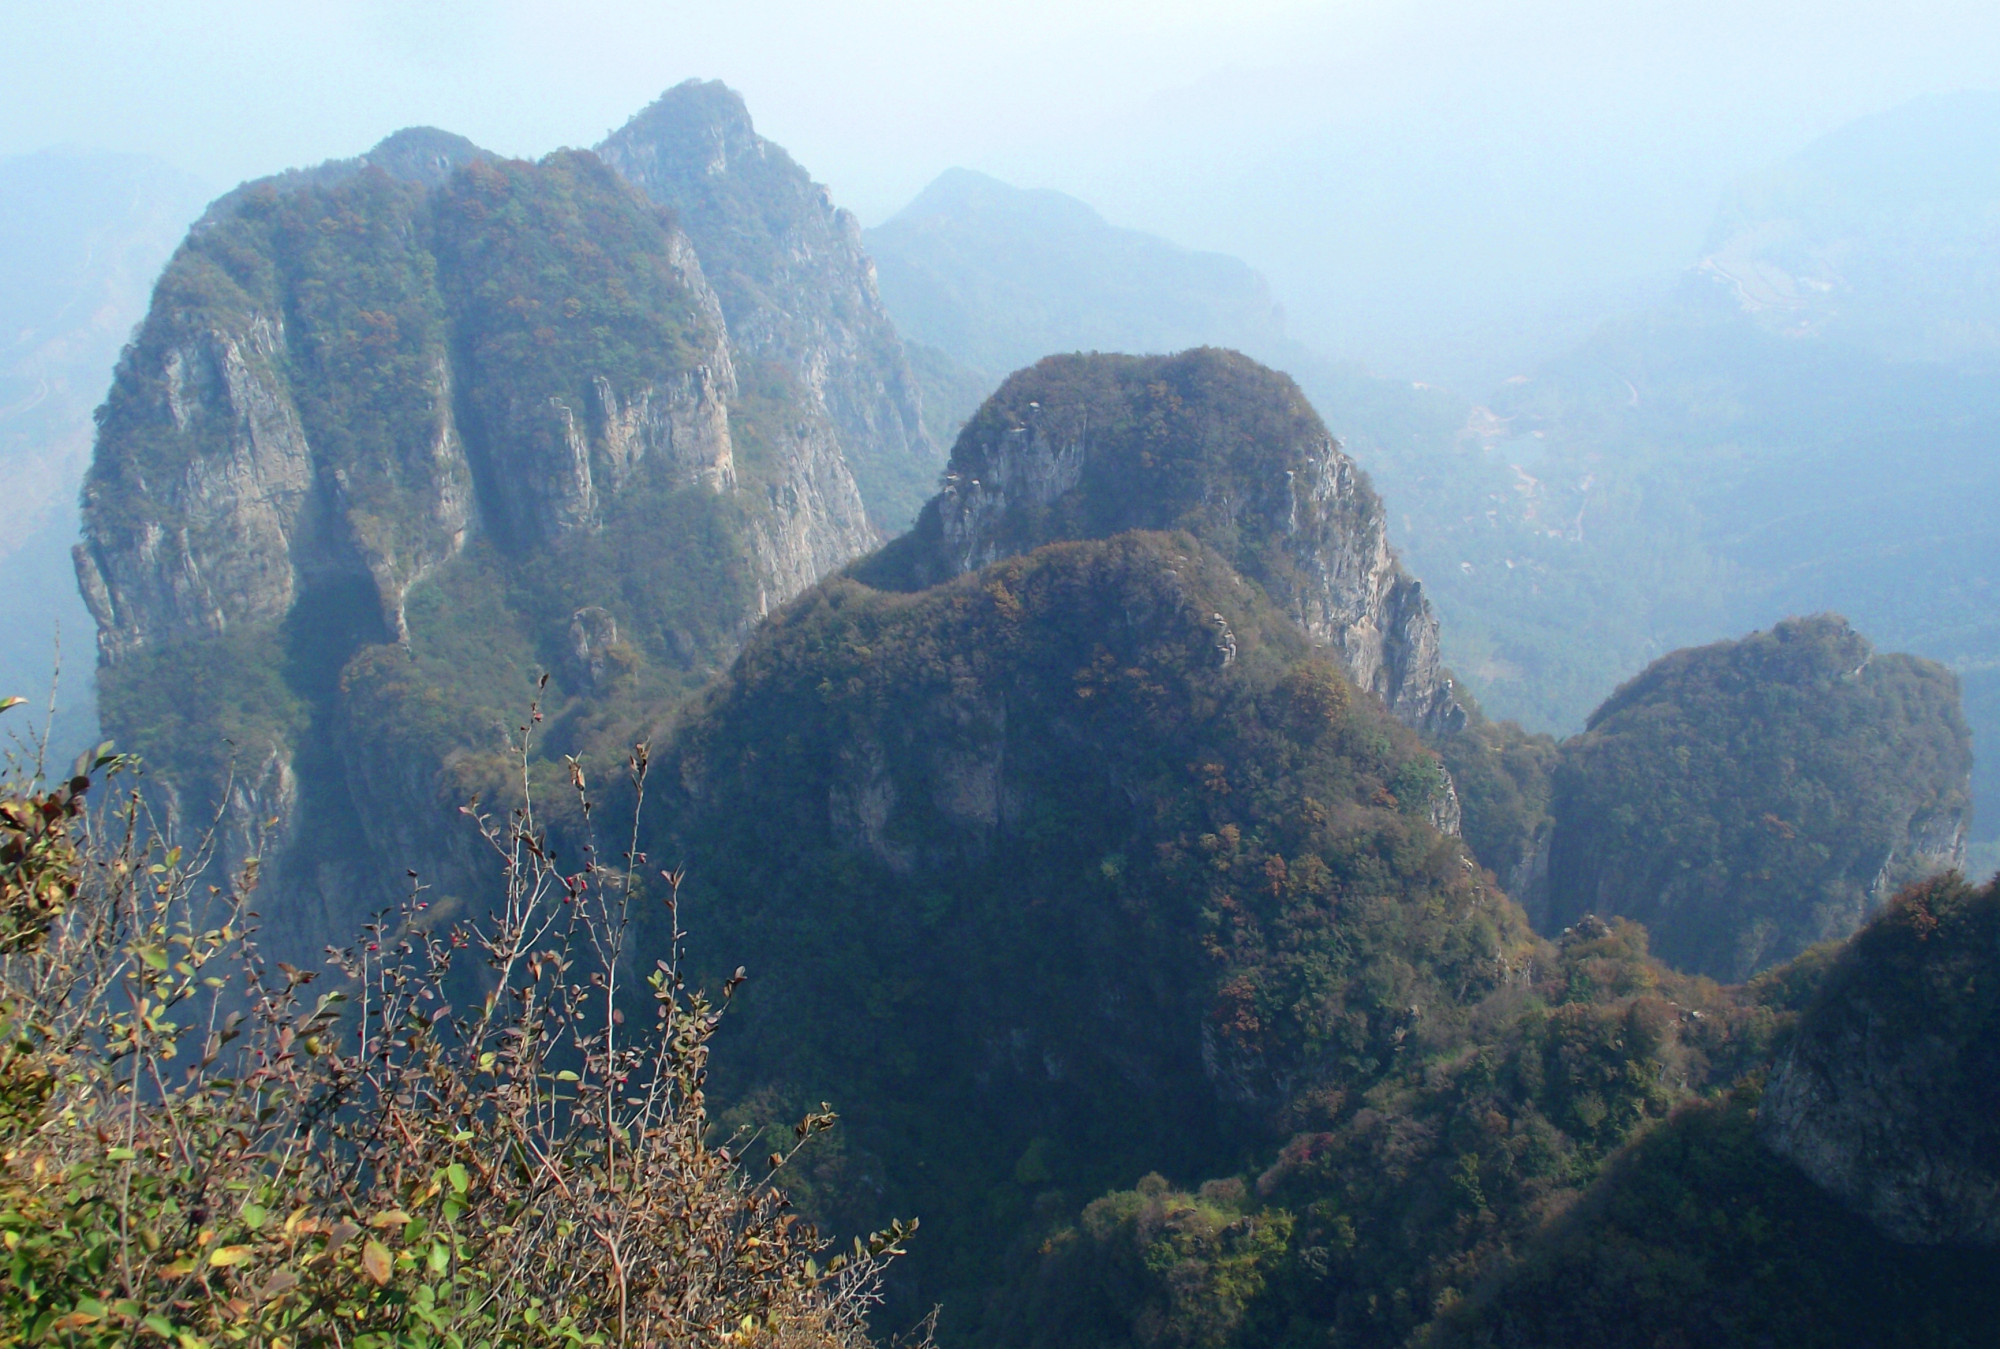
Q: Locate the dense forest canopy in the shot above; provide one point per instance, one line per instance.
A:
(1748, 799)
(1107, 861)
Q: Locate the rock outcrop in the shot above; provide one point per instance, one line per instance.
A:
(1889, 1095)
(794, 282)
(1209, 441)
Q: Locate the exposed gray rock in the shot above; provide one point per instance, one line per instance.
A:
(214, 545)
(796, 286)
(1054, 455)
(811, 522)
(241, 475)
(593, 645)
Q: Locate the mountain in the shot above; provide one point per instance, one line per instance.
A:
(82, 237)
(1749, 799)
(1683, 473)
(999, 276)
(1207, 441)
(1085, 854)
(984, 277)
(1079, 847)
(795, 286)
(400, 431)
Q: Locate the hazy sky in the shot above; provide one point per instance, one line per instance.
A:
(1406, 170)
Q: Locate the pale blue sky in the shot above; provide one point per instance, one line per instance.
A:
(1470, 158)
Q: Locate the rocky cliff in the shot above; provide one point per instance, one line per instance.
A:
(1208, 441)
(795, 285)
(509, 381)
(1889, 1096)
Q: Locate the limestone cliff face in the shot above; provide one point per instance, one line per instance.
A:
(212, 542)
(212, 504)
(811, 523)
(351, 376)
(1209, 441)
(1889, 1095)
(795, 284)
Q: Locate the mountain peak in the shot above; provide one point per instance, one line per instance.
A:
(698, 123)
(795, 286)
(1087, 446)
(423, 154)
(961, 192)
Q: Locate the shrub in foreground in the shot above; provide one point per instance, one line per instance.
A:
(457, 1143)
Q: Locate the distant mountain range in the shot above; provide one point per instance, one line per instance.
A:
(1000, 276)
(1883, 235)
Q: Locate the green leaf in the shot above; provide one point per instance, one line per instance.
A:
(253, 1216)
(460, 1181)
(222, 1257)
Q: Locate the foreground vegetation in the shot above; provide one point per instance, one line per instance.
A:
(456, 1143)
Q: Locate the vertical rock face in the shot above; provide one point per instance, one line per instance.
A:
(211, 541)
(1208, 441)
(811, 523)
(244, 457)
(511, 379)
(1890, 1093)
(795, 285)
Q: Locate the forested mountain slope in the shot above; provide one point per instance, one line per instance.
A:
(1081, 856)
(1849, 1199)
(1749, 799)
(1077, 870)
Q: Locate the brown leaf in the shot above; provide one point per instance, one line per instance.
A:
(375, 1262)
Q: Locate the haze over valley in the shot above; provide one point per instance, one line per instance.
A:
(1321, 676)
